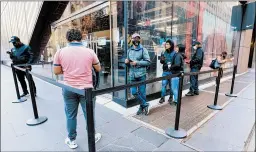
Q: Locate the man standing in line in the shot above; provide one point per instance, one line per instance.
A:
(137, 60)
(166, 60)
(196, 64)
(177, 67)
(21, 54)
(75, 62)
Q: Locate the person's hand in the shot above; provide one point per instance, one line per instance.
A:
(133, 63)
(127, 61)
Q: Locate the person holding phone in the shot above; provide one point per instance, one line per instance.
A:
(22, 54)
(137, 61)
(166, 59)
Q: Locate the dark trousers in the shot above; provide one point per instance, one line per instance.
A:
(21, 77)
(194, 80)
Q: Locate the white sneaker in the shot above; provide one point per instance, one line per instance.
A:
(97, 137)
(71, 144)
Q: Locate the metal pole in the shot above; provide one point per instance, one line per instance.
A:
(215, 106)
(90, 119)
(232, 83)
(32, 94)
(19, 99)
(176, 132)
(36, 120)
(177, 117)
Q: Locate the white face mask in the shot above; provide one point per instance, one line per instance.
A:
(195, 47)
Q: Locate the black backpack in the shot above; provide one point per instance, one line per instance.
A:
(95, 79)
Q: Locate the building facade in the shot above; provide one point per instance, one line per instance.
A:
(107, 27)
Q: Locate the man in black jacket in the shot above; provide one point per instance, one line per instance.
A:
(196, 64)
(177, 66)
(21, 54)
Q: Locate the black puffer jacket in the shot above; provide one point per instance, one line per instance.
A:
(197, 59)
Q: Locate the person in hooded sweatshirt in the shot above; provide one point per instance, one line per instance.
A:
(166, 60)
(137, 61)
(177, 67)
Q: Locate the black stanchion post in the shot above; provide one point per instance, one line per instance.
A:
(232, 84)
(19, 99)
(176, 132)
(215, 106)
(90, 119)
(36, 120)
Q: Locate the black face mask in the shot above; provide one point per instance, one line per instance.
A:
(136, 43)
(15, 44)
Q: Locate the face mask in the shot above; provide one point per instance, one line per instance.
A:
(15, 44)
(195, 47)
(136, 43)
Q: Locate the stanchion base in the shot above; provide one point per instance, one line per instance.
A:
(178, 134)
(215, 107)
(230, 95)
(20, 100)
(38, 121)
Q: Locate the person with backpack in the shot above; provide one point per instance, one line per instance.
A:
(166, 59)
(22, 54)
(221, 63)
(75, 62)
(177, 67)
(196, 64)
(137, 61)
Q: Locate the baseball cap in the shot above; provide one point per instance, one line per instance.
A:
(135, 35)
(196, 43)
(14, 39)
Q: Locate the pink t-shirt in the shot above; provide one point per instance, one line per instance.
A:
(76, 61)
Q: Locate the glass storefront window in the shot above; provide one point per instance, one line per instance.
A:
(107, 29)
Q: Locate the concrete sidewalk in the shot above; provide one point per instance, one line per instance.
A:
(126, 133)
(229, 129)
(118, 133)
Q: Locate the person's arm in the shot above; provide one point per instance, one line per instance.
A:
(162, 58)
(30, 55)
(57, 69)
(96, 63)
(198, 56)
(177, 63)
(146, 59)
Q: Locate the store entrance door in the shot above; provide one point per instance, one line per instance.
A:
(100, 42)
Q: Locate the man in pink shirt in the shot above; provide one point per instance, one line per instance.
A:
(75, 62)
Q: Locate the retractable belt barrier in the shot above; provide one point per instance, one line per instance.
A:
(89, 94)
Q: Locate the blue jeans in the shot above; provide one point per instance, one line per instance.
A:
(175, 88)
(140, 92)
(194, 80)
(71, 101)
(165, 83)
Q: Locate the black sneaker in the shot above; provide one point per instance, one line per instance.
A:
(196, 92)
(161, 100)
(24, 94)
(170, 100)
(190, 93)
(140, 111)
(146, 110)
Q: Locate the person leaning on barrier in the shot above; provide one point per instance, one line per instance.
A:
(177, 66)
(166, 59)
(196, 64)
(137, 62)
(22, 54)
(222, 60)
(75, 62)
